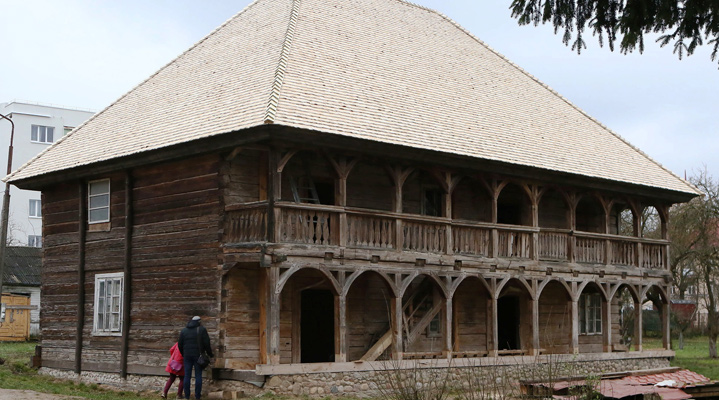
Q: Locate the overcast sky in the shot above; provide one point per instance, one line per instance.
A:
(87, 53)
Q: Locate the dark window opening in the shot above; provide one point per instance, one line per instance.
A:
(432, 202)
(509, 214)
(317, 326)
(326, 192)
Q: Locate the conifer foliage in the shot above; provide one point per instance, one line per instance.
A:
(685, 24)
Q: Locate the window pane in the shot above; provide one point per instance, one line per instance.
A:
(50, 134)
(101, 214)
(100, 321)
(116, 289)
(102, 200)
(33, 133)
(102, 290)
(115, 322)
(41, 131)
(100, 187)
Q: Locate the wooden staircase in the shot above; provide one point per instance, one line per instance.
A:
(417, 313)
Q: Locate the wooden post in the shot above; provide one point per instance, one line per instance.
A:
(397, 315)
(575, 325)
(274, 181)
(398, 175)
(638, 325)
(80, 318)
(273, 316)
(607, 326)
(534, 302)
(535, 222)
(666, 326)
(572, 240)
(494, 350)
(495, 233)
(127, 274)
(341, 328)
(448, 335)
(341, 200)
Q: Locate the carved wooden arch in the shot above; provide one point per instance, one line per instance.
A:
(464, 277)
(434, 277)
(285, 277)
(505, 281)
(356, 274)
(526, 189)
(662, 292)
(342, 166)
(398, 174)
(543, 284)
(584, 285)
(632, 289)
(570, 202)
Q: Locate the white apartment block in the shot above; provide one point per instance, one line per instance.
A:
(37, 126)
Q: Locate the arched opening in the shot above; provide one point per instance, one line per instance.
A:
(592, 307)
(240, 343)
(651, 223)
(423, 195)
(472, 319)
(369, 186)
(307, 318)
(513, 206)
(471, 201)
(369, 310)
(624, 330)
(622, 220)
(590, 215)
(553, 210)
(424, 307)
(555, 319)
(514, 316)
(655, 326)
(308, 178)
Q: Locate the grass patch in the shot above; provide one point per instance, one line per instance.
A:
(16, 373)
(695, 357)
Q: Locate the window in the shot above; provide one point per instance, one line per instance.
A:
(590, 314)
(34, 240)
(35, 208)
(432, 202)
(67, 130)
(108, 303)
(42, 134)
(98, 201)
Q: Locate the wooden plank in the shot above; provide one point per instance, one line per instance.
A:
(82, 218)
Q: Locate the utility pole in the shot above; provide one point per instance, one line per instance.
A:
(5, 208)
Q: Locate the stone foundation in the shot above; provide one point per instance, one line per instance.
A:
(366, 379)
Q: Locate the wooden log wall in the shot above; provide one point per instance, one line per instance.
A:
(369, 186)
(241, 177)
(470, 318)
(240, 324)
(555, 320)
(471, 201)
(175, 251)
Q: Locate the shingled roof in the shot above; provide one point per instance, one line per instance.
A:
(380, 70)
(22, 266)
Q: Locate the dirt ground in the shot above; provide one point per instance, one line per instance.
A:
(7, 394)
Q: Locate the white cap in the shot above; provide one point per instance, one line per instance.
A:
(196, 318)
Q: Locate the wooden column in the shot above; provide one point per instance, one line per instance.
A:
(535, 197)
(127, 274)
(666, 326)
(493, 351)
(607, 326)
(638, 325)
(399, 176)
(274, 191)
(80, 318)
(575, 325)
(572, 241)
(273, 316)
(342, 167)
(341, 328)
(534, 302)
(494, 252)
(396, 322)
(448, 335)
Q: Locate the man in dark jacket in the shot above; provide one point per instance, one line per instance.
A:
(193, 341)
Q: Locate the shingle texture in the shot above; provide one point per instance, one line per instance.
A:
(22, 266)
(380, 70)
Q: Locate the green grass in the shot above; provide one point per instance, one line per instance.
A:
(694, 356)
(16, 373)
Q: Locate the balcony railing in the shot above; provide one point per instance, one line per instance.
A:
(360, 228)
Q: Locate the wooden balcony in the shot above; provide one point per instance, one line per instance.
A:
(360, 228)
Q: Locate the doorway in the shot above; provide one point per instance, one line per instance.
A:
(317, 326)
(508, 323)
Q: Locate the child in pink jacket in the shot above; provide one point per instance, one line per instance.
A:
(175, 366)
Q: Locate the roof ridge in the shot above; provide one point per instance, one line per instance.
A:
(522, 70)
(19, 169)
(273, 102)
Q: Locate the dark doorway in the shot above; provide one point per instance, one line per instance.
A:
(508, 323)
(317, 326)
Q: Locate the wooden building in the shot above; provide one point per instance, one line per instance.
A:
(341, 182)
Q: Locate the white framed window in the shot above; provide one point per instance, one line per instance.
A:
(590, 314)
(42, 134)
(108, 304)
(98, 201)
(35, 209)
(34, 240)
